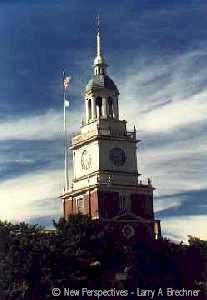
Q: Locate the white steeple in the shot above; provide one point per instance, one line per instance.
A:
(99, 62)
(101, 94)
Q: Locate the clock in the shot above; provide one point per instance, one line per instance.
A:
(117, 156)
(128, 231)
(86, 160)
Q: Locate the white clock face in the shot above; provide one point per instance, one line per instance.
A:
(86, 160)
(117, 156)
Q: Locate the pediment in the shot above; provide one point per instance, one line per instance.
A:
(128, 217)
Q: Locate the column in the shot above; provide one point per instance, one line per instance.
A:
(116, 108)
(110, 107)
(104, 111)
(93, 109)
(87, 112)
(98, 112)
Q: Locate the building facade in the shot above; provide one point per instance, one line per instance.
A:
(105, 184)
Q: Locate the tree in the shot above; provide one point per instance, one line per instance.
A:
(81, 252)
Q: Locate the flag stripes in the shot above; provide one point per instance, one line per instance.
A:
(66, 81)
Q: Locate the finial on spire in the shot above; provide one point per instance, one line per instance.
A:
(98, 23)
(98, 37)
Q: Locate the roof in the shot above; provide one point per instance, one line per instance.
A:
(100, 82)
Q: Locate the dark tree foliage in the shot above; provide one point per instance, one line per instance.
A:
(80, 253)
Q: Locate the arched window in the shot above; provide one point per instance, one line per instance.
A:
(99, 104)
(89, 109)
(110, 104)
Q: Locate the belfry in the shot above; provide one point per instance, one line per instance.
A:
(105, 183)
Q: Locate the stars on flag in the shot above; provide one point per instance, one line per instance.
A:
(66, 81)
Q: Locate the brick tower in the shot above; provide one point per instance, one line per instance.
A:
(105, 183)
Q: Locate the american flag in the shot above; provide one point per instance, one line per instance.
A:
(66, 81)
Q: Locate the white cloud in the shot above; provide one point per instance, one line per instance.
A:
(38, 127)
(165, 203)
(168, 101)
(175, 167)
(175, 114)
(31, 195)
(181, 227)
(162, 97)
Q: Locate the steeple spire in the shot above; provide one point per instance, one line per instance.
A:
(98, 37)
(99, 62)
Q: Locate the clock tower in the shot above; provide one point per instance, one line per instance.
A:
(105, 183)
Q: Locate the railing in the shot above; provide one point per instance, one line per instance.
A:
(99, 131)
(79, 138)
(131, 134)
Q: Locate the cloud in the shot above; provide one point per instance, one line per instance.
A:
(192, 202)
(32, 195)
(166, 99)
(45, 126)
(20, 157)
(181, 227)
(175, 167)
(161, 96)
(175, 114)
(161, 204)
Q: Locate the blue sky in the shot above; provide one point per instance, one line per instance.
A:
(156, 51)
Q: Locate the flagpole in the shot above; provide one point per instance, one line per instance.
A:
(66, 187)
